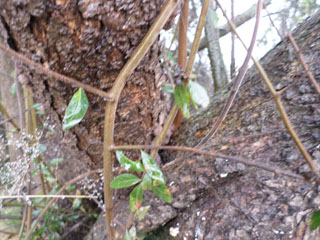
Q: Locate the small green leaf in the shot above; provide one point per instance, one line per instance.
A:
(56, 161)
(162, 192)
(71, 187)
(124, 180)
(127, 236)
(44, 169)
(167, 89)
(214, 17)
(315, 220)
(198, 94)
(147, 182)
(13, 73)
(51, 179)
(182, 98)
(76, 109)
(76, 204)
(13, 89)
(38, 107)
(136, 197)
(152, 168)
(72, 217)
(142, 212)
(128, 164)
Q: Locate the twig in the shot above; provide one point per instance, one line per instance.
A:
(305, 66)
(45, 196)
(42, 70)
(111, 107)
(15, 116)
(10, 217)
(7, 115)
(182, 50)
(19, 97)
(212, 154)
(232, 64)
(53, 200)
(298, 50)
(237, 81)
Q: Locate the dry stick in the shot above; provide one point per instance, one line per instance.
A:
(212, 154)
(182, 50)
(13, 117)
(53, 200)
(6, 114)
(301, 59)
(19, 97)
(42, 70)
(30, 130)
(45, 196)
(278, 101)
(305, 66)
(192, 57)
(111, 107)
(232, 65)
(237, 82)
(22, 222)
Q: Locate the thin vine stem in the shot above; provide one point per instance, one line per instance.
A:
(212, 154)
(42, 70)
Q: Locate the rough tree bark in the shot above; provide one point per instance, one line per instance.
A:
(89, 41)
(217, 199)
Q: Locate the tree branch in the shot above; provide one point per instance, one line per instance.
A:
(238, 21)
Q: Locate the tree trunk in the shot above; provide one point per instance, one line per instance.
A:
(89, 41)
(218, 199)
(218, 69)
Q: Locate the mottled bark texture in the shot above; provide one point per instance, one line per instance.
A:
(217, 199)
(89, 41)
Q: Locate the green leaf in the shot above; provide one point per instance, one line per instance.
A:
(124, 180)
(214, 17)
(136, 197)
(71, 187)
(76, 109)
(162, 191)
(13, 73)
(13, 89)
(38, 107)
(152, 168)
(128, 164)
(198, 94)
(142, 212)
(44, 169)
(182, 98)
(127, 236)
(72, 217)
(167, 89)
(315, 220)
(147, 182)
(76, 204)
(56, 161)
